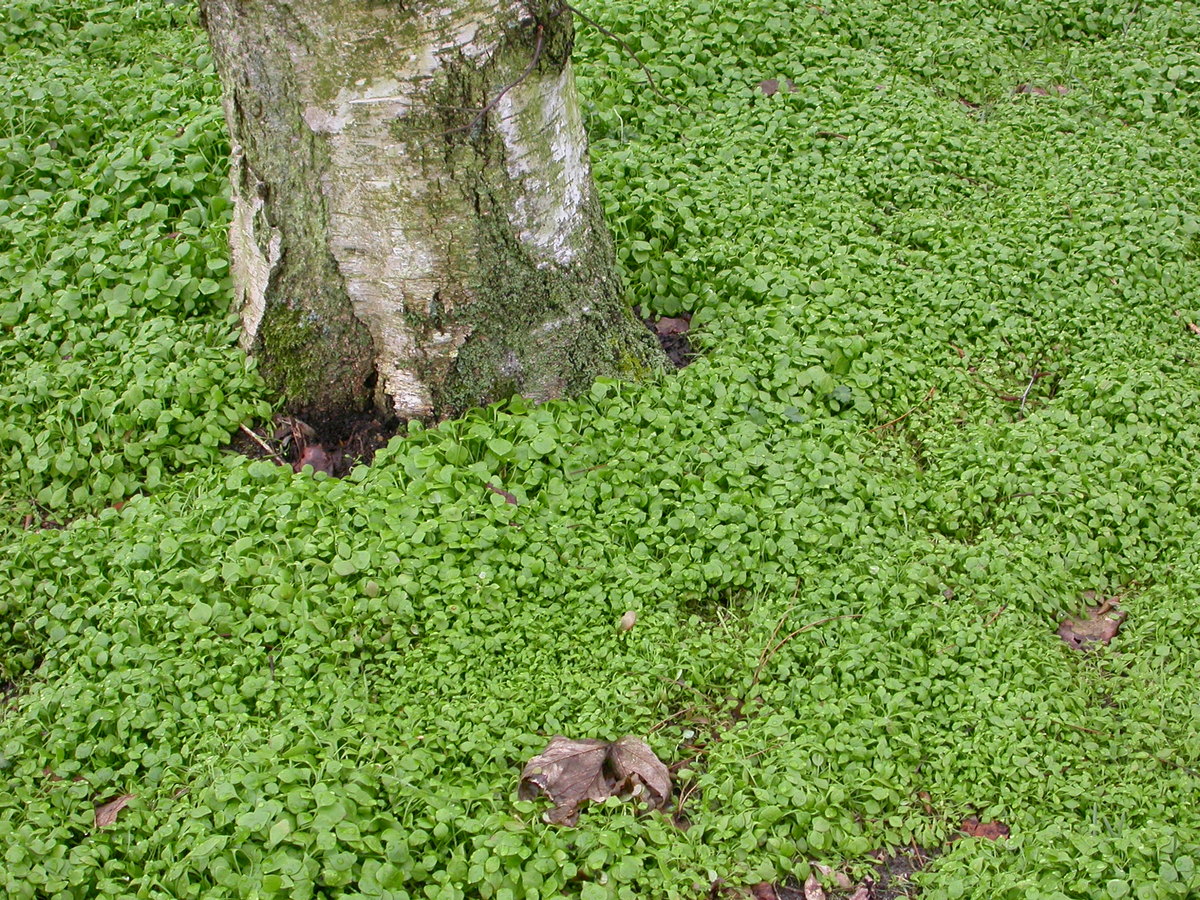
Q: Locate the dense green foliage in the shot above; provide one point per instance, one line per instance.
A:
(326, 688)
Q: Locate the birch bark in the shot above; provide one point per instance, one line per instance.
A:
(390, 244)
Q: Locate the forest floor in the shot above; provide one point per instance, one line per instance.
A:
(940, 267)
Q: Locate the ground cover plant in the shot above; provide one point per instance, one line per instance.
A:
(943, 262)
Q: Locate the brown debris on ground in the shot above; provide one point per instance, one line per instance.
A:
(890, 881)
(672, 334)
(992, 831)
(1098, 625)
(335, 450)
(573, 772)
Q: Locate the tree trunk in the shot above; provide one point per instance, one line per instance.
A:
(415, 223)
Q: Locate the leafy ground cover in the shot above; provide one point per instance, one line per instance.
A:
(943, 262)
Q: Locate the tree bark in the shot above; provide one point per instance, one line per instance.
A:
(415, 223)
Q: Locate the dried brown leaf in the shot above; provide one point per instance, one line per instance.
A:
(627, 621)
(672, 325)
(972, 827)
(1099, 626)
(769, 86)
(106, 814)
(572, 772)
(637, 767)
(863, 893)
(764, 890)
(314, 455)
(813, 889)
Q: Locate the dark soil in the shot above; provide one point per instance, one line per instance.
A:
(8, 693)
(678, 349)
(891, 881)
(672, 334)
(336, 449)
(338, 446)
(892, 874)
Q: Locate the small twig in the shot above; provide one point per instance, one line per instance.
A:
(775, 633)
(899, 419)
(508, 496)
(811, 625)
(1069, 725)
(627, 49)
(588, 469)
(1180, 766)
(537, 55)
(994, 616)
(767, 749)
(684, 797)
(688, 687)
(1025, 396)
(674, 715)
(254, 437)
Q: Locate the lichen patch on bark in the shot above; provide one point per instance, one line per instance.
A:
(546, 150)
(253, 264)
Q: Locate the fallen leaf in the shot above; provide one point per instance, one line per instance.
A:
(668, 325)
(627, 621)
(316, 457)
(1193, 328)
(972, 827)
(764, 890)
(571, 772)
(107, 813)
(1031, 89)
(1099, 626)
(769, 86)
(863, 893)
(813, 889)
(843, 880)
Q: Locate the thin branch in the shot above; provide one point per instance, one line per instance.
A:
(588, 469)
(775, 632)
(685, 796)
(811, 625)
(254, 437)
(900, 419)
(537, 55)
(1025, 396)
(766, 749)
(674, 715)
(627, 49)
(1170, 762)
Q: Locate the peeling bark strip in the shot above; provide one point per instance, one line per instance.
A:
(383, 227)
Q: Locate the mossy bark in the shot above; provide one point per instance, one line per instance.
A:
(415, 221)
